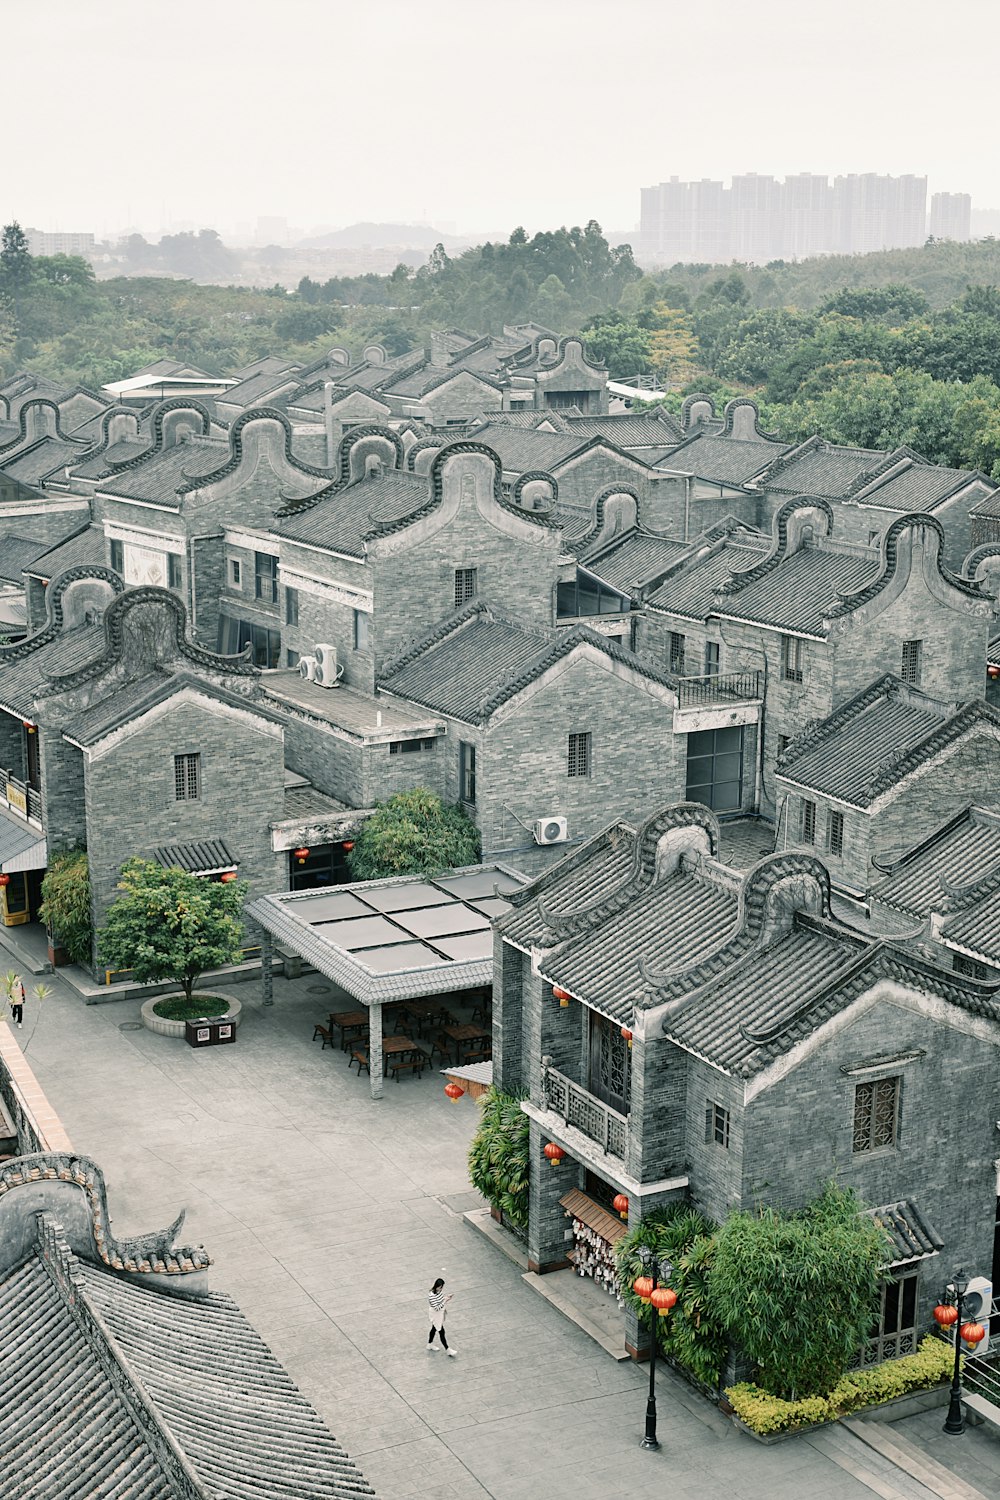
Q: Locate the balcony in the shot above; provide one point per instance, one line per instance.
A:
(586, 1112)
(20, 797)
(720, 688)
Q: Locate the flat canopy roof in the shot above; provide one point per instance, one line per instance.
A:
(398, 939)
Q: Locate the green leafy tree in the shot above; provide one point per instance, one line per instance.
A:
(167, 924)
(65, 907)
(499, 1155)
(414, 833)
(622, 346)
(690, 1334)
(15, 257)
(798, 1292)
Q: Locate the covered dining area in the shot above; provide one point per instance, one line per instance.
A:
(412, 956)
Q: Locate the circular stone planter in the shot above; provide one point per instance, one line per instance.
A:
(163, 1027)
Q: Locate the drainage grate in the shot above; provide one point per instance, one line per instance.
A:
(319, 989)
(129, 1025)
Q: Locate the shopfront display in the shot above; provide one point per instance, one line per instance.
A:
(596, 1232)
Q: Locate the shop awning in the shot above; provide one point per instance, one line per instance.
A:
(606, 1224)
(22, 847)
(209, 857)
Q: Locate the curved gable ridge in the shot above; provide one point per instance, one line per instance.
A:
(896, 560)
(55, 614)
(785, 537)
(356, 445)
(596, 527)
(37, 405)
(237, 447)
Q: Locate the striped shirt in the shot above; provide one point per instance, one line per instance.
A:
(436, 1301)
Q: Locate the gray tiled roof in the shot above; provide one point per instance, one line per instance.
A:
(23, 673)
(822, 469)
(989, 505)
(205, 857)
(343, 519)
(690, 589)
(850, 755)
(918, 487)
(912, 1236)
(108, 712)
(632, 559)
(257, 387)
(798, 594)
(724, 460)
(42, 458)
(101, 463)
(520, 448)
(16, 553)
(630, 429)
(976, 929)
(157, 478)
(80, 550)
(962, 851)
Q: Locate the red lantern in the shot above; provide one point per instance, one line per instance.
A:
(561, 995)
(627, 1035)
(347, 846)
(643, 1288)
(228, 876)
(946, 1314)
(301, 855)
(554, 1153)
(4, 879)
(620, 1205)
(993, 672)
(972, 1333)
(454, 1092)
(663, 1299)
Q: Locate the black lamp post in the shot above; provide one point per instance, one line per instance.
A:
(955, 1422)
(656, 1272)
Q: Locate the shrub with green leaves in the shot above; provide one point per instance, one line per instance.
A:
(65, 907)
(765, 1413)
(798, 1292)
(414, 833)
(498, 1156)
(690, 1334)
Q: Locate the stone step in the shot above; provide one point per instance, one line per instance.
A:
(891, 1444)
(876, 1472)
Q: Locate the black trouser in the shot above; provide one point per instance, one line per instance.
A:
(430, 1338)
(16, 1011)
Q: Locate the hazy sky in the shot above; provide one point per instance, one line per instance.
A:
(478, 113)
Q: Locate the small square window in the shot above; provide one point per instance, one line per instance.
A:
(808, 828)
(792, 658)
(187, 778)
(835, 832)
(876, 1115)
(117, 555)
(677, 644)
(234, 572)
(291, 606)
(713, 652)
(362, 631)
(716, 1124)
(175, 573)
(911, 662)
(578, 756)
(465, 585)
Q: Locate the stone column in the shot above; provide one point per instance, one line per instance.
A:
(375, 1049)
(547, 1221)
(266, 967)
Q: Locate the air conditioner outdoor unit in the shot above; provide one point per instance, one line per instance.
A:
(307, 668)
(328, 670)
(550, 831)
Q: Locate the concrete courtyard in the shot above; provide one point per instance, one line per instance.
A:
(329, 1215)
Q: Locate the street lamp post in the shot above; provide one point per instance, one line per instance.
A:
(656, 1273)
(955, 1421)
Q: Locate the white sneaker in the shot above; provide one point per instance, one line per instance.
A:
(452, 1353)
(431, 1348)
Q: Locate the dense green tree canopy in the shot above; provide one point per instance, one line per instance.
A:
(414, 833)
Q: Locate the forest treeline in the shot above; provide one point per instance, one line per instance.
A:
(876, 350)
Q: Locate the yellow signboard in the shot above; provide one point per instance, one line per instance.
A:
(17, 798)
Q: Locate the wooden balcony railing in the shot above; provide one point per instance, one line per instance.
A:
(582, 1109)
(20, 797)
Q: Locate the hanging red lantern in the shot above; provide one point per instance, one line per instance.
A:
(620, 1205)
(972, 1333)
(643, 1288)
(4, 879)
(946, 1314)
(561, 995)
(993, 672)
(347, 846)
(454, 1092)
(627, 1035)
(663, 1299)
(554, 1153)
(227, 876)
(28, 725)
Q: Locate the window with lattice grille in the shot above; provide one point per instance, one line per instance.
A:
(677, 644)
(713, 653)
(578, 757)
(808, 822)
(910, 666)
(876, 1111)
(465, 585)
(792, 658)
(716, 1123)
(187, 777)
(835, 832)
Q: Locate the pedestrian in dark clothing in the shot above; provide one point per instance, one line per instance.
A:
(438, 1304)
(17, 999)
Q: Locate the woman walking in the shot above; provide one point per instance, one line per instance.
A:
(437, 1302)
(17, 999)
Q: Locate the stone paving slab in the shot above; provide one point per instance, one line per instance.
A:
(329, 1214)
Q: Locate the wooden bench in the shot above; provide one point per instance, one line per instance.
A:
(443, 1047)
(412, 1064)
(361, 1058)
(478, 1057)
(325, 1033)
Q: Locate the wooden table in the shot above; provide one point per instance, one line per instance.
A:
(468, 1034)
(393, 1046)
(421, 1011)
(351, 1023)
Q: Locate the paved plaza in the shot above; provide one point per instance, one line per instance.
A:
(329, 1215)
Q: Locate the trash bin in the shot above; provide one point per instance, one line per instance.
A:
(209, 1031)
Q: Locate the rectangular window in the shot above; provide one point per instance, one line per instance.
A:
(895, 1333)
(677, 653)
(174, 571)
(792, 658)
(578, 756)
(716, 1124)
(465, 586)
(362, 631)
(291, 658)
(187, 777)
(715, 767)
(712, 658)
(265, 644)
(808, 827)
(835, 832)
(234, 572)
(467, 771)
(910, 669)
(117, 550)
(291, 606)
(972, 968)
(784, 740)
(265, 569)
(876, 1109)
(409, 747)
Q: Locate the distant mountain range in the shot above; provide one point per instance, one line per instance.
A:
(382, 236)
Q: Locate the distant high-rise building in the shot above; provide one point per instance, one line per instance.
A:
(40, 242)
(807, 216)
(951, 216)
(756, 208)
